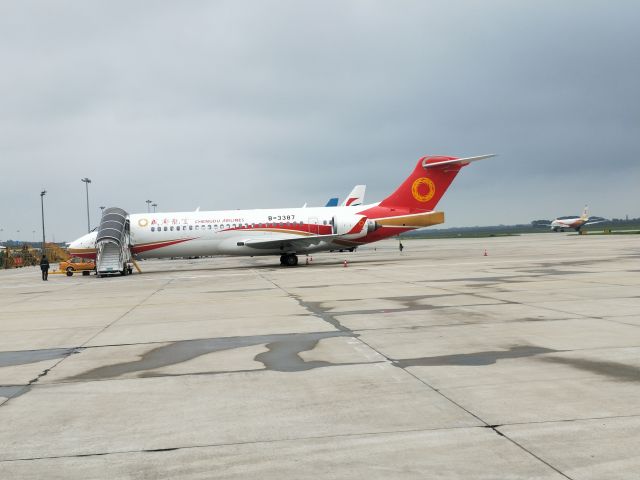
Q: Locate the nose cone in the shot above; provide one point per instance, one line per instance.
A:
(84, 246)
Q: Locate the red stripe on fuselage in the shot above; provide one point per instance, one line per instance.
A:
(154, 246)
(310, 229)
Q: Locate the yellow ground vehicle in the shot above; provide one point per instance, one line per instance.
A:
(75, 264)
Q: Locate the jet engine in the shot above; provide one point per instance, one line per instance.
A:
(353, 226)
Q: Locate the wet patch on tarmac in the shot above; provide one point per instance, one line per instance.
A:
(23, 357)
(492, 280)
(543, 272)
(410, 305)
(315, 308)
(283, 354)
(13, 391)
(543, 319)
(242, 290)
(612, 370)
(474, 359)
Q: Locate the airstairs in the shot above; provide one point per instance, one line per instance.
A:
(112, 243)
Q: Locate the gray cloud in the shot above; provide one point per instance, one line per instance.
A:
(266, 104)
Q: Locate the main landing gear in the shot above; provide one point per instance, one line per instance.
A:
(289, 260)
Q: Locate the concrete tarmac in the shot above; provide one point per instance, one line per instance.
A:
(437, 362)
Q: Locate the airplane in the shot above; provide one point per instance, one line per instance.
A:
(284, 232)
(356, 197)
(576, 223)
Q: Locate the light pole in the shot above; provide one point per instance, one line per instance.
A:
(148, 203)
(154, 207)
(102, 211)
(87, 181)
(42, 194)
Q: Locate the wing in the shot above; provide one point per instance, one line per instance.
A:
(591, 222)
(287, 242)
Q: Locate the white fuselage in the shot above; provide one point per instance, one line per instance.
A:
(568, 222)
(229, 232)
(219, 232)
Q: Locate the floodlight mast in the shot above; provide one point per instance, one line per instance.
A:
(87, 181)
(42, 194)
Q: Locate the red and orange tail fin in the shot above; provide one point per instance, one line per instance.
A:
(424, 188)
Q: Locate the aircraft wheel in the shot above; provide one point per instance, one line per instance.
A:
(291, 260)
(69, 271)
(562, 230)
(282, 257)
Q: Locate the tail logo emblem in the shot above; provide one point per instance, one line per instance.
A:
(416, 190)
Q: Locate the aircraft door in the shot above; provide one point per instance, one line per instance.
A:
(314, 225)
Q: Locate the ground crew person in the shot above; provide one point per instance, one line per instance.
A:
(44, 266)
(401, 247)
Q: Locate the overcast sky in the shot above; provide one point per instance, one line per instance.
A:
(250, 104)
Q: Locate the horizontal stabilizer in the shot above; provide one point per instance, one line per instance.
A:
(418, 220)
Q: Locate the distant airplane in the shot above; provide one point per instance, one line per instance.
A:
(356, 197)
(286, 232)
(576, 223)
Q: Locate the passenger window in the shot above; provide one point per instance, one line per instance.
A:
(171, 228)
(208, 227)
(153, 229)
(324, 222)
(190, 227)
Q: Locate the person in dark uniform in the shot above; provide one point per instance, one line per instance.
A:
(44, 266)
(400, 247)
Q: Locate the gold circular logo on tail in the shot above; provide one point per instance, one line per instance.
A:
(143, 222)
(416, 190)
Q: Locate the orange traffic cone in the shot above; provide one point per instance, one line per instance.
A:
(345, 264)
